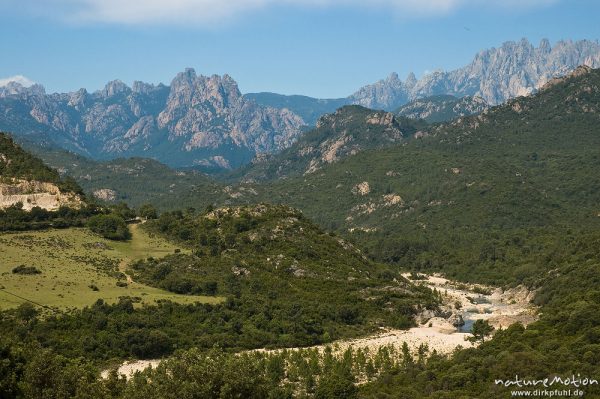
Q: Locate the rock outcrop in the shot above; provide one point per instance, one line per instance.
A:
(35, 193)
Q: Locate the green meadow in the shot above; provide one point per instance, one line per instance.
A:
(78, 268)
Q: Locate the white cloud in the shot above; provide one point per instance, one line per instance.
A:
(22, 80)
(211, 12)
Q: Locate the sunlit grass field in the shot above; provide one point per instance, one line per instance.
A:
(78, 267)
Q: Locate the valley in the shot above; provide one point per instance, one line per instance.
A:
(419, 250)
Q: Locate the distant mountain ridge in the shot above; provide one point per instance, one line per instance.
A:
(196, 121)
(206, 122)
(308, 108)
(495, 75)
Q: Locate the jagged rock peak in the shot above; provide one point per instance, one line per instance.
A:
(411, 80)
(78, 99)
(143, 87)
(212, 83)
(545, 46)
(185, 78)
(17, 89)
(198, 119)
(393, 77)
(115, 87)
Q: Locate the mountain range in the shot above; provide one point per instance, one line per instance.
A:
(507, 197)
(496, 75)
(207, 123)
(528, 165)
(196, 121)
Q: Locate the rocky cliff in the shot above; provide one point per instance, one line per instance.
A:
(36, 193)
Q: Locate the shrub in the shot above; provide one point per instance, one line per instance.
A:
(22, 269)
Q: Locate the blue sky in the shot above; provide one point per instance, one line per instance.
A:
(321, 48)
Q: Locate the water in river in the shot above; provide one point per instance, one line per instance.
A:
(468, 326)
(469, 317)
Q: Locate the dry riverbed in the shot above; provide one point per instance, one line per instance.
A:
(438, 330)
(472, 302)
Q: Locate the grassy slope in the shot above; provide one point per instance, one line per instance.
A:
(71, 260)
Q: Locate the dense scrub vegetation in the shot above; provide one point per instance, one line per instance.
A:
(564, 342)
(284, 272)
(137, 181)
(15, 218)
(328, 374)
(108, 221)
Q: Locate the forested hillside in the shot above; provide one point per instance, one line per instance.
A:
(564, 343)
(508, 197)
(136, 181)
(473, 198)
(443, 108)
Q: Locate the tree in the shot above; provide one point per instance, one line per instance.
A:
(109, 226)
(27, 311)
(147, 211)
(338, 383)
(481, 329)
(123, 210)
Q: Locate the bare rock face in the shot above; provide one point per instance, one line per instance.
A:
(362, 188)
(191, 122)
(105, 194)
(35, 193)
(382, 94)
(495, 75)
